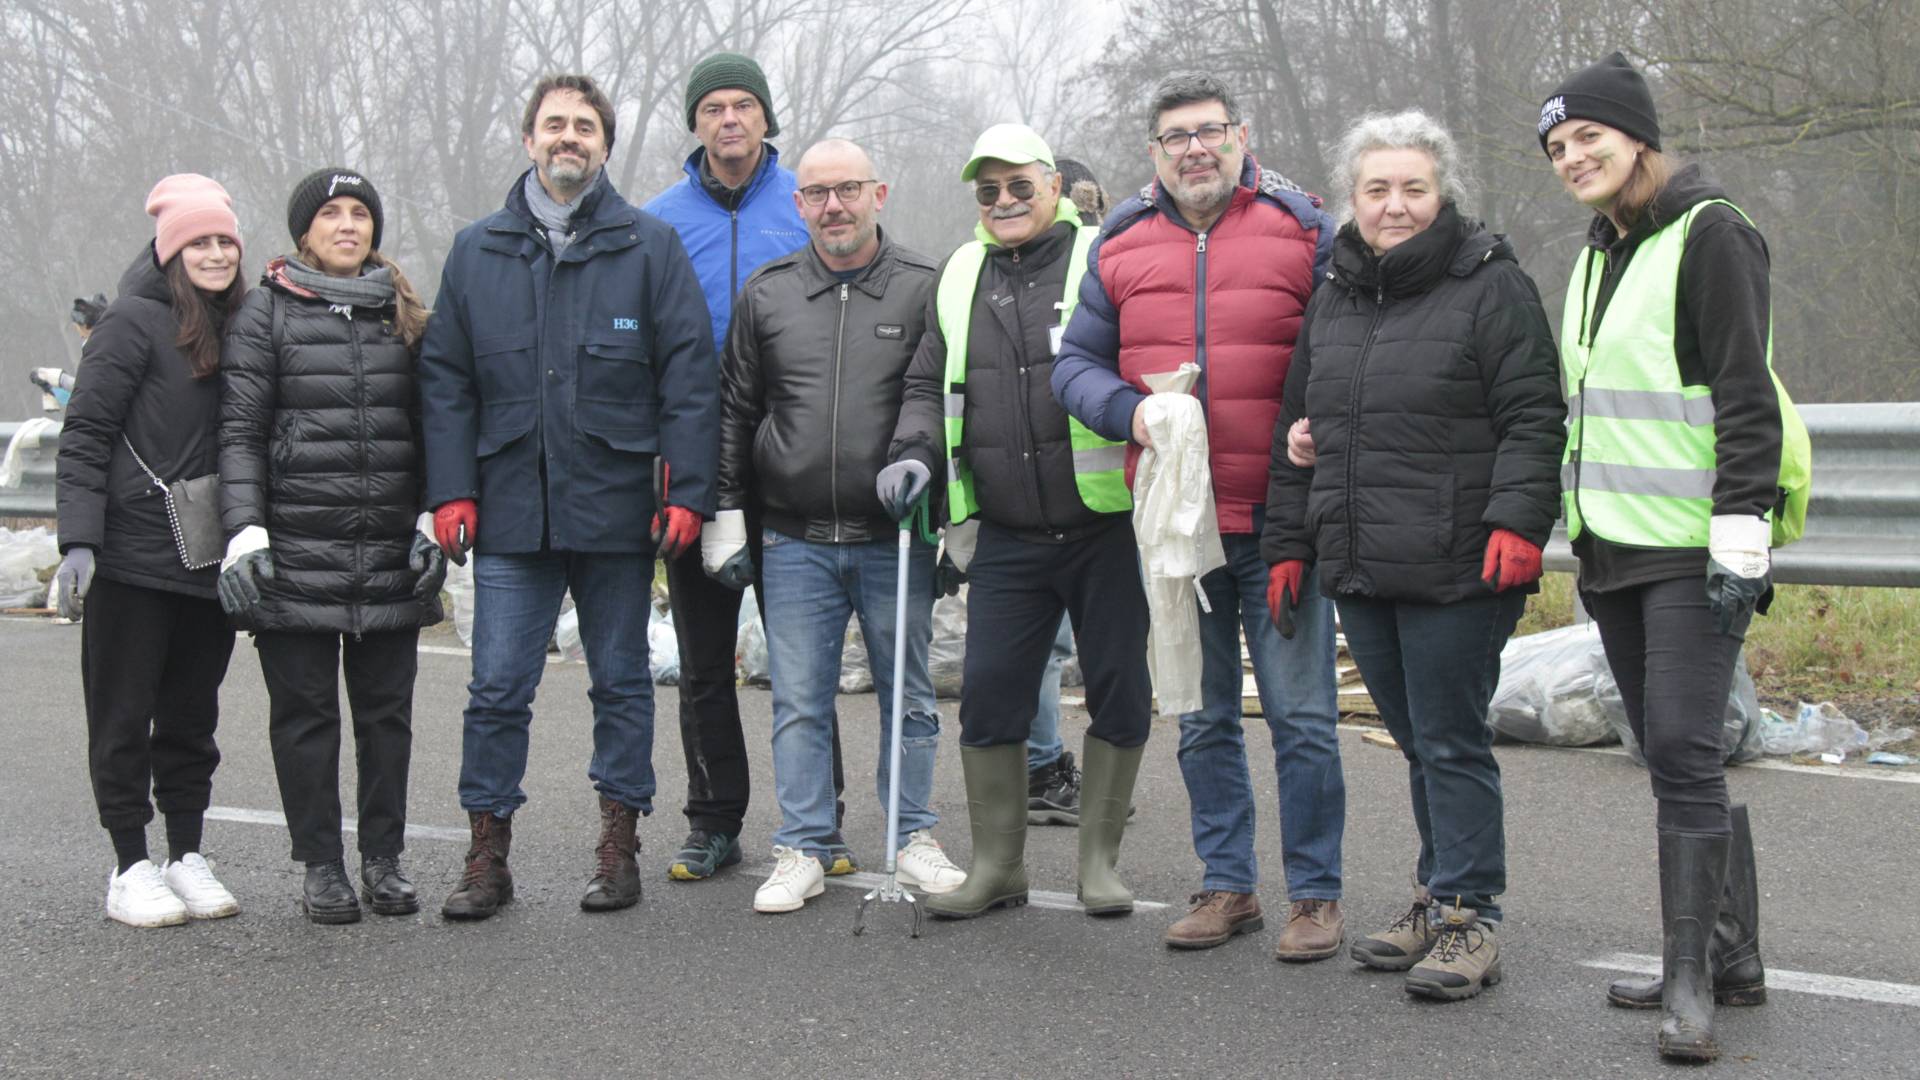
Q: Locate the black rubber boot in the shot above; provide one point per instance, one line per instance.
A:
(1693, 876)
(997, 808)
(1733, 955)
(327, 896)
(1107, 773)
(385, 889)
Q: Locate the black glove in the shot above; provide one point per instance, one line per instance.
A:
(427, 561)
(947, 578)
(239, 584)
(1733, 598)
(899, 484)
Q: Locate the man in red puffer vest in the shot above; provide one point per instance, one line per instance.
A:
(1213, 263)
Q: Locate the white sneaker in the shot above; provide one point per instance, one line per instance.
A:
(140, 897)
(797, 878)
(923, 865)
(192, 880)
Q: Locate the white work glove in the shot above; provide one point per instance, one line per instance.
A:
(723, 550)
(1738, 564)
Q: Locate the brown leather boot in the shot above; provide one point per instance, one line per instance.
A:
(1216, 916)
(486, 883)
(616, 874)
(1314, 929)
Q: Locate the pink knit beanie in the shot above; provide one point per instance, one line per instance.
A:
(186, 207)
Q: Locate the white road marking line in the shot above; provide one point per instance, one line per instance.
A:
(1882, 993)
(1040, 898)
(274, 817)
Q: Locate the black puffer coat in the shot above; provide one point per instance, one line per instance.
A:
(320, 445)
(133, 380)
(1432, 383)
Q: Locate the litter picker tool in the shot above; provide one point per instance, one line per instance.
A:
(890, 889)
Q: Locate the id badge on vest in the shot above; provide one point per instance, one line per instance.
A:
(1056, 334)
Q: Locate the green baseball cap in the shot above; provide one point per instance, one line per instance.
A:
(1015, 144)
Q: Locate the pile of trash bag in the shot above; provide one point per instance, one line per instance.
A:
(26, 557)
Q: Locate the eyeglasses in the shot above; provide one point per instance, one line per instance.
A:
(848, 191)
(986, 194)
(1175, 143)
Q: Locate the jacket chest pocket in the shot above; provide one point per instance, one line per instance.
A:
(506, 367)
(615, 369)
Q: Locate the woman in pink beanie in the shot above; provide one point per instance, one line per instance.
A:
(154, 644)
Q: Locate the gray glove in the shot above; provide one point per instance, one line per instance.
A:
(899, 484)
(72, 580)
(239, 584)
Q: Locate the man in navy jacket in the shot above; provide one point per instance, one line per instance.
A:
(571, 420)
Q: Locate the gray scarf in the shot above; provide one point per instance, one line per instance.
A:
(372, 289)
(553, 215)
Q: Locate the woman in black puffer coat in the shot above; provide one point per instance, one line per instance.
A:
(1427, 375)
(331, 561)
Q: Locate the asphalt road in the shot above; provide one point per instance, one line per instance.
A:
(694, 983)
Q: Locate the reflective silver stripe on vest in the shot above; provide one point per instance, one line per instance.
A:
(1642, 405)
(1100, 459)
(1639, 479)
(956, 405)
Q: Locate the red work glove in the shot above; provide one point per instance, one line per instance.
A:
(456, 525)
(681, 534)
(1511, 560)
(1283, 593)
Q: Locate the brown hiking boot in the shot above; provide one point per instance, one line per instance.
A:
(1216, 916)
(1313, 932)
(1403, 944)
(616, 873)
(486, 883)
(1464, 958)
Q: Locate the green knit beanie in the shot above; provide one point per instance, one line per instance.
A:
(730, 71)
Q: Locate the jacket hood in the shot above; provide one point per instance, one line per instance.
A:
(1687, 188)
(1254, 183)
(696, 169)
(145, 279)
(1454, 244)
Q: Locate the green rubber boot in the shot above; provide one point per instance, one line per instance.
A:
(997, 808)
(1106, 793)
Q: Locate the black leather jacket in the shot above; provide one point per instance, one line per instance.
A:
(811, 388)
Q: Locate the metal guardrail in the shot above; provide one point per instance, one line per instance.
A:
(1863, 521)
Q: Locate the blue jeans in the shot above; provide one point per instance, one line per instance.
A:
(1296, 683)
(1431, 670)
(1043, 739)
(811, 591)
(516, 600)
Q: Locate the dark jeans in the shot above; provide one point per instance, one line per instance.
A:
(303, 723)
(1675, 671)
(151, 662)
(1431, 670)
(1016, 593)
(706, 624)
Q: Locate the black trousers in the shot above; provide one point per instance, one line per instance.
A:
(1675, 671)
(706, 618)
(151, 662)
(1016, 592)
(303, 687)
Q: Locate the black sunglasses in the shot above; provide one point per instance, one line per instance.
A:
(987, 194)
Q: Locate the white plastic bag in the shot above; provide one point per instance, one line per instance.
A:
(1179, 537)
(459, 586)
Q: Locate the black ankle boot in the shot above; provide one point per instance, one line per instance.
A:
(385, 889)
(1693, 873)
(327, 895)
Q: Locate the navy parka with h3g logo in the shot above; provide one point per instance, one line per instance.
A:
(550, 385)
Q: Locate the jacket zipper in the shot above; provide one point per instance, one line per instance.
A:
(833, 427)
(1030, 469)
(1353, 415)
(366, 493)
(733, 255)
(1200, 305)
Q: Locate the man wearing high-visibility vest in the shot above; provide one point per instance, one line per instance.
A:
(1054, 520)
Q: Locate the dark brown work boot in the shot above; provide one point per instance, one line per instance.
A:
(1216, 916)
(486, 883)
(616, 873)
(1314, 929)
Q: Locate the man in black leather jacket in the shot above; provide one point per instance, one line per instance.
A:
(811, 386)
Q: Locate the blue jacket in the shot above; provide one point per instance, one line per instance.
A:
(549, 386)
(727, 245)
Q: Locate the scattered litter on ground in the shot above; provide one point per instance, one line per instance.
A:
(1823, 731)
(26, 557)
